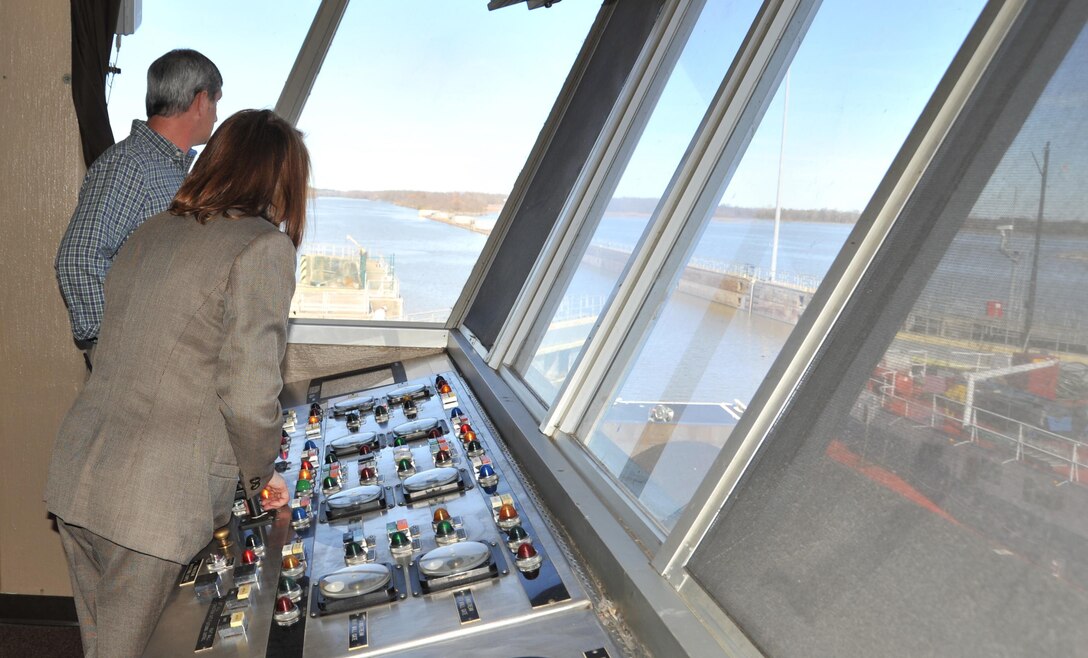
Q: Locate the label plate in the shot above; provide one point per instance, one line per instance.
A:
(357, 635)
(466, 606)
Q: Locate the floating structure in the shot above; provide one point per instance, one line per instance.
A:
(346, 283)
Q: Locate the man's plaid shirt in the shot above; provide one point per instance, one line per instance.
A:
(133, 180)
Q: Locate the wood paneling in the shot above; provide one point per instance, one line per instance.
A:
(40, 369)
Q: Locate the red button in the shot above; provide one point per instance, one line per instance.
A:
(284, 604)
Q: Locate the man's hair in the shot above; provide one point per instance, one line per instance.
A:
(256, 165)
(174, 80)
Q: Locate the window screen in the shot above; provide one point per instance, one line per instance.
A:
(932, 499)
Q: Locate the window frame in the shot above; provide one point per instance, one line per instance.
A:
(714, 154)
(1000, 72)
(779, 29)
(745, 91)
(827, 310)
(607, 162)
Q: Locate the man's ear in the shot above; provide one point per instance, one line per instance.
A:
(201, 103)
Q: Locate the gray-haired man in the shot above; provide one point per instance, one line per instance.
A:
(133, 180)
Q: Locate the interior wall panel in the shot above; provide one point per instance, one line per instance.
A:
(305, 362)
(42, 371)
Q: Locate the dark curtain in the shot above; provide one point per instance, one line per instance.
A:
(93, 25)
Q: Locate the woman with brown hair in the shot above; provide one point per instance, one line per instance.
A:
(183, 399)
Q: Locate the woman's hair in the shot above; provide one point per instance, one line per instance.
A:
(255, 164)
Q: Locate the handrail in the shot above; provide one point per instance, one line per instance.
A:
(947, 412)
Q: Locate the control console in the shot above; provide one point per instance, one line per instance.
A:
(409, 533)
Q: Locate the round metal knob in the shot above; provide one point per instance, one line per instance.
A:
(222, 535)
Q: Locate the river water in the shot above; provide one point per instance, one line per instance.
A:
(433, 260)
(701, 350)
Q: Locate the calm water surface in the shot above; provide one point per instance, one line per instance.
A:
(700, 350)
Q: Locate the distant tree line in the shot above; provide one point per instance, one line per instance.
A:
(474, 203)
(643, 206)
(461, 203)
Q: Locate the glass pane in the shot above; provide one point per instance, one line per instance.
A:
(687, 94)
(232, 34)
(943, 509)
(416, 136)
(742, 291)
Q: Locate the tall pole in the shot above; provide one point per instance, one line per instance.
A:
(1029, 306)
(778, 193)
(1014, 257)
(1008, 311)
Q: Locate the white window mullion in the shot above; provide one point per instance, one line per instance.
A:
(297, 86)
(735, 110)
(525, 179)
(624, 125)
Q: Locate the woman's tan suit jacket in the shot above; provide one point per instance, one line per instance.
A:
(184, 393)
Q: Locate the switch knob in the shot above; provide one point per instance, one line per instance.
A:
(398, 540)
(222, 535)
(444, 529)
(287, 612)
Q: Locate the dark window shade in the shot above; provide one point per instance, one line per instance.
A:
(93, 25)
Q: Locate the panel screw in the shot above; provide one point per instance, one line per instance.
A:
(66, 78)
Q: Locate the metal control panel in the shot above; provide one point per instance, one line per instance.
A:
(409, 533)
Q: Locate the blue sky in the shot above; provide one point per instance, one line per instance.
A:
(252, 42)
(442, 95)
(858, 83)
(414, 94)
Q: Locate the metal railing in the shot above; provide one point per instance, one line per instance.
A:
(802, 282)
(1062, 332)
(435, 315)
(1061, 453)
(579, 306)
(1025, 439)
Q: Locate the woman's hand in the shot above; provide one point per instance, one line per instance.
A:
(277, 493)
